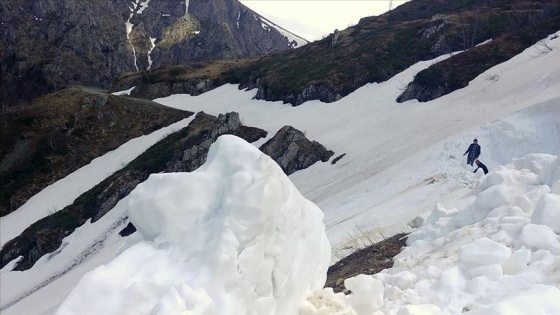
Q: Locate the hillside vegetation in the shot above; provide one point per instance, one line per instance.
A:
(376, 49)
(63, 131)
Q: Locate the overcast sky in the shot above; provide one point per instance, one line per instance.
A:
(312, 19)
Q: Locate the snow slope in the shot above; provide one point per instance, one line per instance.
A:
(393, 150)
(499, 255)
(295, 41)
(401, 159)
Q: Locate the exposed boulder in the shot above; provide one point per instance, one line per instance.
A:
(195, 155)
(421, 92)
(293, 151)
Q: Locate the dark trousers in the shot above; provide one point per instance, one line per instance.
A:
(471, 159)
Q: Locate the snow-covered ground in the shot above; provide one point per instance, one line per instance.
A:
(499, 255)
(401, 159)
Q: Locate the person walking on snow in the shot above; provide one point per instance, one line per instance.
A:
(473, 151)
(482, 166)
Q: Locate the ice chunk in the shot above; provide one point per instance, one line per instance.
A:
(494, 197)
(392, 292)
(367, 293)
(516, 262)
(416, 222)
(524, 203)
(543, 165)
(555, 189)
(540, 237)
(541, 299)
(325, 301)
(482, 252)
(536, 194)
(547, 212)
(492, 272)
(502, 237)
(403, 279)
(420, 309)
(506, 211)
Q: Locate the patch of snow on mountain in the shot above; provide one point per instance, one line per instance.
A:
(124, 92)
(153, 45)
(295, 41)
(143, 6)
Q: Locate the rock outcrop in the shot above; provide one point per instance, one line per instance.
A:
(166, 88)
(293, 151)
(422, 93)
(312, 92)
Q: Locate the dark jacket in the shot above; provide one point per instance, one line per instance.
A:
(483, 167)
(474, 150)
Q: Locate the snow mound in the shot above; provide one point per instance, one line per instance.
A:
(234, 236)
(498, 255)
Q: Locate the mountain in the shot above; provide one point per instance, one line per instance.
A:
(47, 45)
(376, 49)
(176, 211)
(400, 161)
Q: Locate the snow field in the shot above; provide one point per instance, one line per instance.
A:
(394, 151)
(233, 236)
(495, 256)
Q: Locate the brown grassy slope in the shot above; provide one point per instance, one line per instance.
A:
(369, 260)
(525, 25)
(63, 131)
(192, 72)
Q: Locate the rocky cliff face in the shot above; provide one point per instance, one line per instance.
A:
(47, 44)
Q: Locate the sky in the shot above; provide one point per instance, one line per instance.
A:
(413, 162)
(314, 19)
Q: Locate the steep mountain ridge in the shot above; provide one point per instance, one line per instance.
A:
(379, 47)
(51, 44)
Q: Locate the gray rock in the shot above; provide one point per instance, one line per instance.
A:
(293, 151)
(421, 93)
(312, 92)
